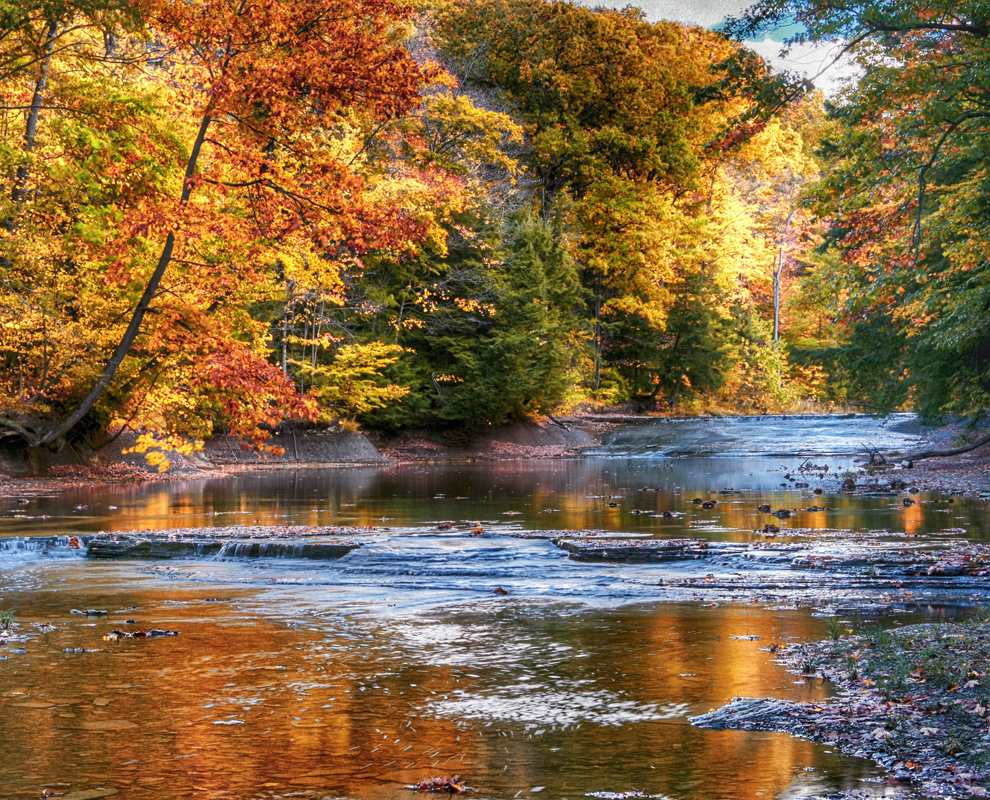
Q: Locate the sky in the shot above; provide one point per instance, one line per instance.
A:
(805, 59)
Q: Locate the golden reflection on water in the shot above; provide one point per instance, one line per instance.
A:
(512, 694)
(579, 494)
(360, 708)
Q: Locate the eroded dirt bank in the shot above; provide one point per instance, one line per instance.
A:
(24, 474)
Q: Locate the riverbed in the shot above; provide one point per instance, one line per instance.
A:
(459, 638)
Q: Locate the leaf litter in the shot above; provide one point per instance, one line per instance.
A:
(914, 700)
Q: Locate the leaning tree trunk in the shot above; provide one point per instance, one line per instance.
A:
(134, 327)
(943, 453)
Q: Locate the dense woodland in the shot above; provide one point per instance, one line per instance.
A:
(221, 217)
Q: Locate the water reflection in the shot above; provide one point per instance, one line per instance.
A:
(609, 494)
(257, 698)
(355, 677)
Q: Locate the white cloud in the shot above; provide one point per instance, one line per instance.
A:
(807, 60)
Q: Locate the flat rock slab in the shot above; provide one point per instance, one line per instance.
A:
(232, 542)
(757, 713)
(127, 547)
(645, 549)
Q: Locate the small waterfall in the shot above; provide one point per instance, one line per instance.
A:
(316, 551)
(48, 545)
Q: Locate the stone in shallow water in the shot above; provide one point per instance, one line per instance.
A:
(615, 549)
(225, 543)
(127, 547)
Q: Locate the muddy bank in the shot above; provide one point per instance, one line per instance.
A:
(43, 472)
(544, 439)
(968, 473)
(913, 700)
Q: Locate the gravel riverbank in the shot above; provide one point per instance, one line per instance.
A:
(914, 700)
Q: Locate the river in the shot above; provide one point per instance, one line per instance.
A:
(359, 676)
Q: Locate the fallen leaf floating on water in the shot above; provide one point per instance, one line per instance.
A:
(447, 785)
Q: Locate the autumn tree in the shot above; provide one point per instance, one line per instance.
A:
(631, 129)
(615, 137)
(179, 249)
(904, 192)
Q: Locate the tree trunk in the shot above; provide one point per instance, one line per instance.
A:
(598, 330)
(776, 301)
(318, 328)
(943, 453)
(31, 130)
(777, 273)
(290, 287)
(675, 392)
(134, 327)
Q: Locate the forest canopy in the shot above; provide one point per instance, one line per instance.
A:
(223, 218)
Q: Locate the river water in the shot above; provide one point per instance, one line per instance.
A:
(356, 677)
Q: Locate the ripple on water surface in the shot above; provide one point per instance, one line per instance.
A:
(509, 696)
(354, 677)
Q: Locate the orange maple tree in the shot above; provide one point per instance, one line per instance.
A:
(265, 88)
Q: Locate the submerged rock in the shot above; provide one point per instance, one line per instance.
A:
(756, 713)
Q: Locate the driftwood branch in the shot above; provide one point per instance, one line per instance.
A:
(943, 453)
